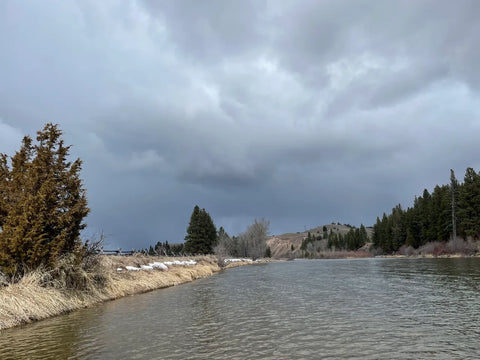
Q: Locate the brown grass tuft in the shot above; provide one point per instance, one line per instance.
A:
(41, 294)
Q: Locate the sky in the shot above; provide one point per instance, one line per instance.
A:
(300, 112)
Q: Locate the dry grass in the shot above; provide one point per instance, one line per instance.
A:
(343, 254)
(242, 263)
(452, 248)
(39, 295)
(29, 300)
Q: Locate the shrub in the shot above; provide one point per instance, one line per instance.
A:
(406, 250)
(42, 204)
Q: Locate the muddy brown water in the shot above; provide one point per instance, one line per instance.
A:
(319, 309)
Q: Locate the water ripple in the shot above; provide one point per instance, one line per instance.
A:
(330, 309)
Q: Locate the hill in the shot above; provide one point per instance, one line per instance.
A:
(288, 245)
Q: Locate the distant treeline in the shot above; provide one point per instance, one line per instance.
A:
(354, 239)
(430, 217)
(164, 249)
(203, 238)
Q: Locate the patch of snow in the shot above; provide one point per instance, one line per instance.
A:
(237, 260)
(177, 262)
(132, 268)
(159, 265)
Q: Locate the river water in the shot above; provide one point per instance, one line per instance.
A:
(317, 309)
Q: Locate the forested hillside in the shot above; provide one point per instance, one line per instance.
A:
(433, 216)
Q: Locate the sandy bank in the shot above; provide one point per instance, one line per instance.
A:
(28, 300)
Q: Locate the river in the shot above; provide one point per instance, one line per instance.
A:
(304, 309)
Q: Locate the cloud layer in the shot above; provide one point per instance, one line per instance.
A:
(300, 112)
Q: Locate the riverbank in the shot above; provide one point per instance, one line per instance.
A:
(365, 254)
(31, 300)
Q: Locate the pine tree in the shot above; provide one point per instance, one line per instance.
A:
(363, 236)
(469, 205)
(376, 236)
(396, 222)
(151, 251)
(5, 178)
(42, 203)
(167, 248)
(268, 252)
(201, 233)
(441, 213)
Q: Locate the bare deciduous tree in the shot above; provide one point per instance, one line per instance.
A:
(253, 242)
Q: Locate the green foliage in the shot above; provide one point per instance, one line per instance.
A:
(308, 240)
(201, 233)
(430, 217)
(151, 251)
(164, 249)
(268, 252)
(469, 205)
(42, 203)
(176, 249)
(354, 239)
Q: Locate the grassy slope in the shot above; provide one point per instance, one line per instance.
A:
(281, 244)
(28, 300)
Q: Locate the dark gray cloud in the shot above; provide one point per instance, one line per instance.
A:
(210, 32)
(300, 112)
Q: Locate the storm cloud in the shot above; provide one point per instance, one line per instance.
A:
(302, 113)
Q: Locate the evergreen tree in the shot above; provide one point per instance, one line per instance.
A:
(397, 228)
(376, 236)
(469, 205)
(441, 213)
(333, 240)
(268, 252)
(42, 203)
(363, 236)
(226, 245)
(414, 224)
(341, 244)
(5, 179)
(201, 233)
(166, 246)
(177, 249)
(430, 218)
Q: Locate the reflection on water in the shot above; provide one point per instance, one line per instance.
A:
(365, 309)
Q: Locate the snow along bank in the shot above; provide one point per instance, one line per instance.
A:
(226, 261)
(159, 265)
(166, 264)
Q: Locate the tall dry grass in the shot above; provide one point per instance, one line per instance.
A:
(41, 294)
(457, 247)
(342, 254)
